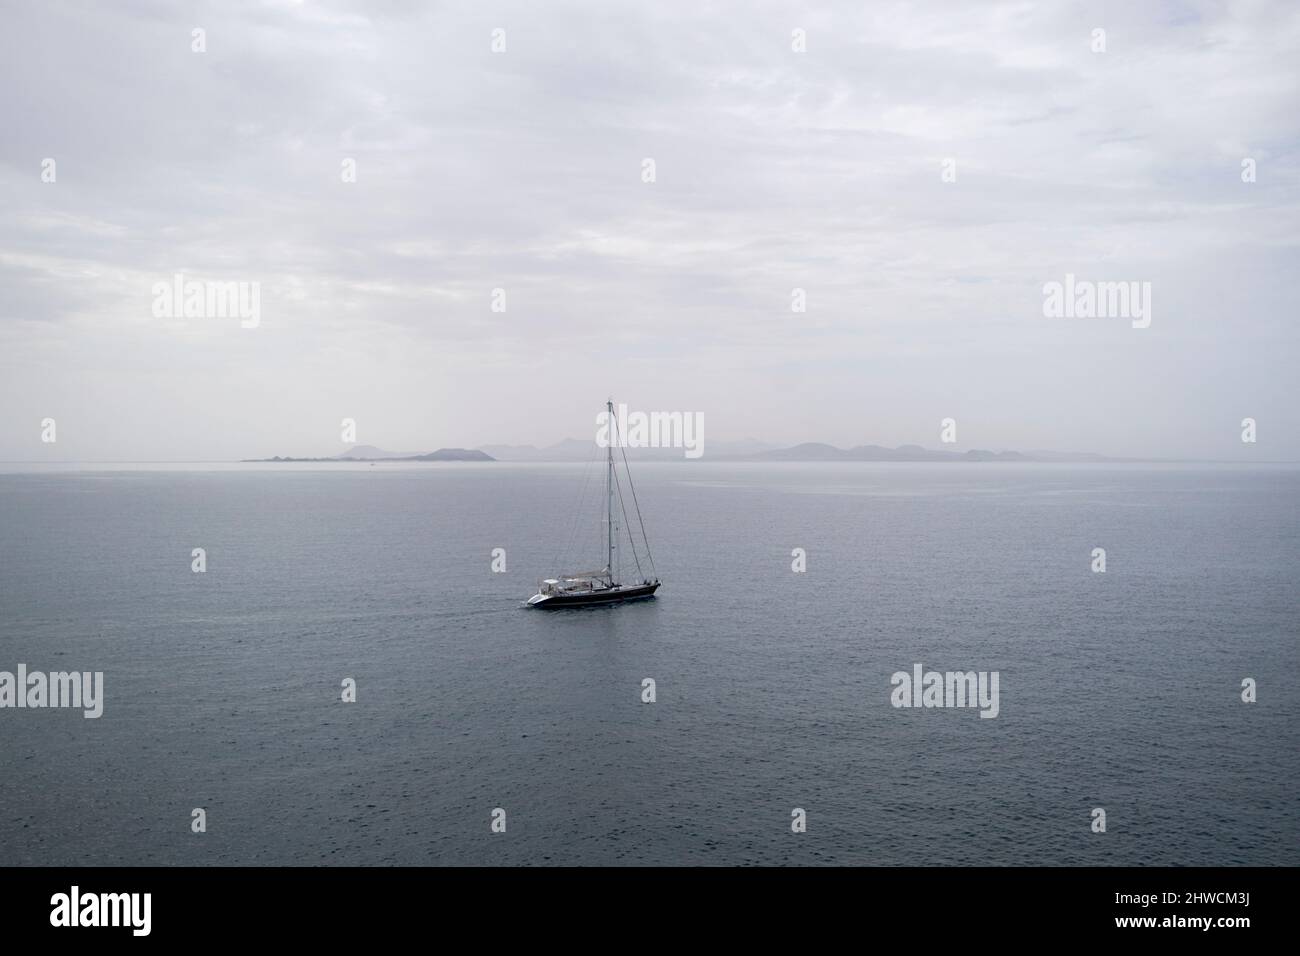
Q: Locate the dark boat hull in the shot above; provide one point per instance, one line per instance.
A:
(618, 595)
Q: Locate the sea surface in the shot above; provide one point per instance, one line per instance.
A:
(1118, 690)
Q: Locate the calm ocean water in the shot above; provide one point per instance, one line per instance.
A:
(1118, 690)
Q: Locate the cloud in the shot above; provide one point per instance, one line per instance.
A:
(522, 171)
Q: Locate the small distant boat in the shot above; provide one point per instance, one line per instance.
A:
(583, 588)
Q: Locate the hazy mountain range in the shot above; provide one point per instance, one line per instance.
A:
(572, 449)
(753, 450)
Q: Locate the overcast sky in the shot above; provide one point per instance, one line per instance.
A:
(523, 170)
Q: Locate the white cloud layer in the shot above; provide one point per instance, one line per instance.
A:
(522, 170)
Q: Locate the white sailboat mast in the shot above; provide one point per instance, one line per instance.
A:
(609, 493)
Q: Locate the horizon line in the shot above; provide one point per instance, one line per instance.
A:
(848, 461)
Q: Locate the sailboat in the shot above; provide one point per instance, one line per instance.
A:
(583, 588)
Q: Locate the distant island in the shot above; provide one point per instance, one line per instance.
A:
(371, 453)
(572, 449)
